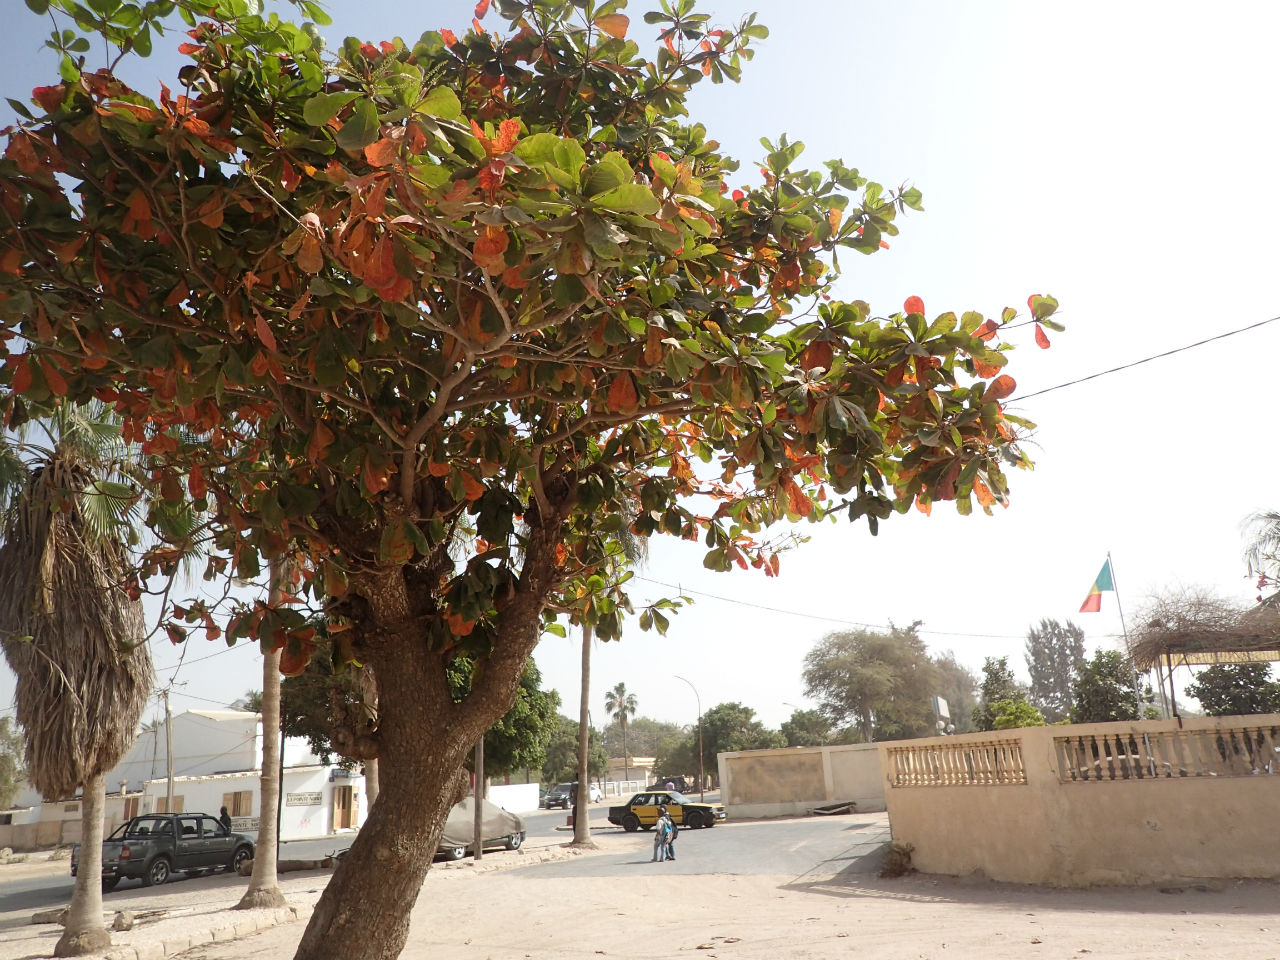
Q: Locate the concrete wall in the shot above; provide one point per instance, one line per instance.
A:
(793, 780)
(1115, 803)
(56, 824)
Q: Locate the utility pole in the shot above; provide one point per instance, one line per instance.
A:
(702, 776)
(168, 739)
(479, 799)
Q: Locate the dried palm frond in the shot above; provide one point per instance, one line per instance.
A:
(69, 631)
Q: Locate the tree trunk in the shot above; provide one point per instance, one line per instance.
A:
(581, 823)
(264, 888)
(363, 913)
(626, 771)
(370, 782)
(84, 931)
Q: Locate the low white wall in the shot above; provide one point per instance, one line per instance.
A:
(515, 797)
(791, 781)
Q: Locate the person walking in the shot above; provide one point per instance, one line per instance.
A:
(224, 818)
(672, 832)
(660, 833)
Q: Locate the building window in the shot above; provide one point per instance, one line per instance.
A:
(6, 819)
(71, 808)
(239, 804)
(131, 807)
(162, 804)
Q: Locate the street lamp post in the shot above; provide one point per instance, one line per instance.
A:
(702, 777)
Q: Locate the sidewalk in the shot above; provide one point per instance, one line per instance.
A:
(201, 912)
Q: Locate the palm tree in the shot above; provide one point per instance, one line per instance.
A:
(1262, 551)
(264, 887)
(69, 630)
(618, 703)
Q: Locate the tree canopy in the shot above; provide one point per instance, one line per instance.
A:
(1107, 689)
(426, 316)
(1055, 655)
(1230, 689)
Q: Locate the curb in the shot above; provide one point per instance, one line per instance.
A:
(158, 950)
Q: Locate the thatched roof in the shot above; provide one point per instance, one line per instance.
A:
(1199, 630)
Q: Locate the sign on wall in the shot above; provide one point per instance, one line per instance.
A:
(302, 799)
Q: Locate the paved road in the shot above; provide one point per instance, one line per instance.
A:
(811, 848)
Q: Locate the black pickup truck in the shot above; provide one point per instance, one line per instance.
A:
(151, 847)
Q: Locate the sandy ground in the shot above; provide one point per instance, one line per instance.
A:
(464, 916)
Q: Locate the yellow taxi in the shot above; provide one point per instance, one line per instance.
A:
(641, 811)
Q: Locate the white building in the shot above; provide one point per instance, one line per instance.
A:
(216, 756)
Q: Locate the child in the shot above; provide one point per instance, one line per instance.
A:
(661, 831)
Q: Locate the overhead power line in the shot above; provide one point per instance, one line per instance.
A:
(1136, 363)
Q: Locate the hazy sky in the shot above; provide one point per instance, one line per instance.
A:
(1119, 156)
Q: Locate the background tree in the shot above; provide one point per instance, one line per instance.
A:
(998, 684)
(1055, 655)
(881, 681)
(561, 765)
(1262, 553)
(251, 702)
(619, 705)
(733, 726)
(806, 728)
(352, 295)
(677, 755)
(519, 739)
(12, 772)
(72, 635)
(1010, 714)
(958, 685)
(644, 734)
(1236, 689)
(1107, 690)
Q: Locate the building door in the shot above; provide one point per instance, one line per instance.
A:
(343, 814)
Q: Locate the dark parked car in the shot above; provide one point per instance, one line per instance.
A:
(679, 784)
(151, 847)
(499, 827)
(562, 795)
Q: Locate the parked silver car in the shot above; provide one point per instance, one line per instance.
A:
(500, 828)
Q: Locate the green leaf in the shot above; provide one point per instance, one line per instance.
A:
(629, 198)
(612, 171)
(362, 129)
(38, 6)
(539, 148)
(323, 107)
(912, 198)
(555, 628)
(440, 102)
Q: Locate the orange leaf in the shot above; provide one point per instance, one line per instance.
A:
(481, 9)
(321, 439)
(195, 482)
(983, 494)
(796, 499)
(264, 331)
(984, 369)
(138, 214)
(653, 345)
(986, 331)
(999, 388)
(473, 488)
(57, 382)
(377, 477)
(449, 37)
(293, 662)
(820, 353)
(614, 24)
(382, 153)
(21, 374)
(309, 256)
(335, 581)
(489, 249)
(1042, 338)
(914, 305)
(458, 625)
(438, 469)
(622, 394)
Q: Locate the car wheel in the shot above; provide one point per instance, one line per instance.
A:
(631, 823)
(109, 884)
(157, 873)
(514, 841)
(693, 820)
(240, 856)
(454, 853)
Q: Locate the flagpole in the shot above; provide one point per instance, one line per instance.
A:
(1115, 585)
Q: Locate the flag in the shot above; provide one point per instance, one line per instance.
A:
(1093, 602)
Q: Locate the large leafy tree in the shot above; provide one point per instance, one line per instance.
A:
(999, 686)
(880, 681)
(561, 764)
(733, 726)
(807, 728)
(12, 771)
(1107, 689)
(1054, 655)
(644, 734)
(1231, 689)
(356, 301)
(69, 630)
(958, 685)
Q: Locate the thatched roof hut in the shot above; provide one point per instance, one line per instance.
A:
(1204, 630)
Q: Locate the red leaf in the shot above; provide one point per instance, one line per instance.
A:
(309, 256)
(481, 9)
(449, 37)
(999, 388)
(473, 489)
(986, 331)
(264, 331)
(321, 439)
(195, 482)
(377, 477)
(820, 353)
(1031, 302)
(489, 249)
(622, 394)
(914, 305)
(57, 382)
(189, 49)
(21, 374)
(49, 98)
(1042, 338)
(382, 153)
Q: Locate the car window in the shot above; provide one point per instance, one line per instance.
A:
(564, 787)
(210, 827)
(143, 828)
(679, 798)
(189, 827)
(642, 800)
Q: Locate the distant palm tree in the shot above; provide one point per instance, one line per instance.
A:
(69, 630)
(1262, 551)
(618, 703)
